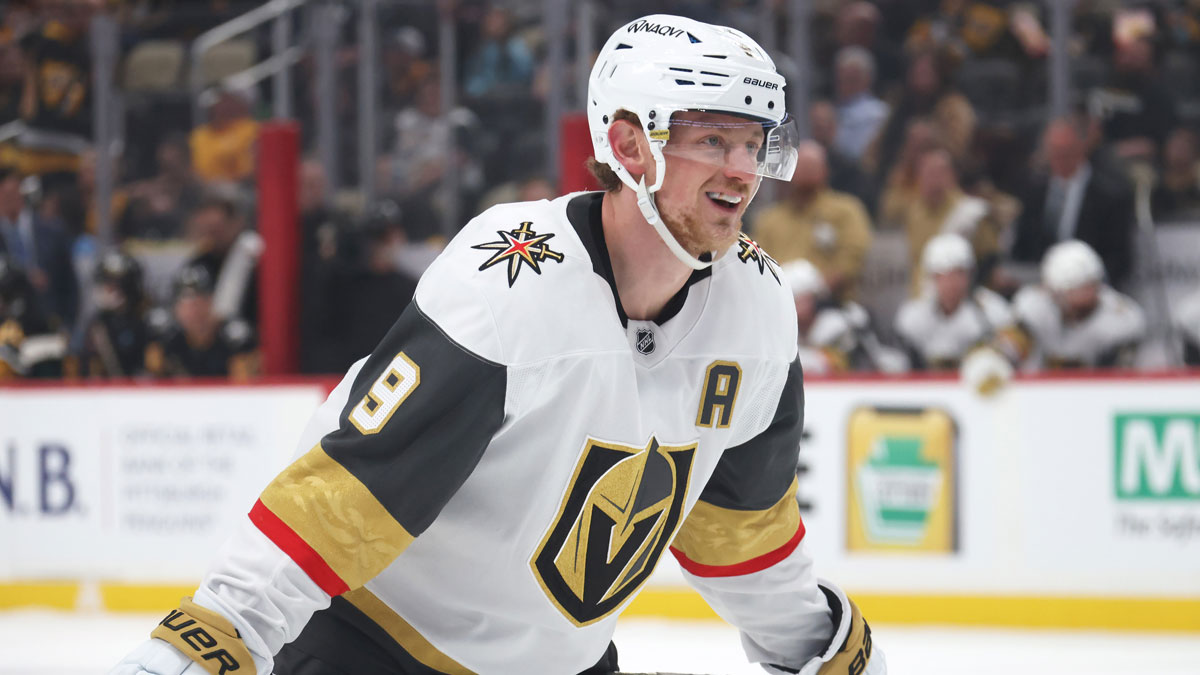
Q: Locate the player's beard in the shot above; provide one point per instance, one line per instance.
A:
(697, 236)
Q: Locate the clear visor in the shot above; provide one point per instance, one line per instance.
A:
(761, 148)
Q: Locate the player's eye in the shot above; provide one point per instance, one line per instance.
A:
(712, 141)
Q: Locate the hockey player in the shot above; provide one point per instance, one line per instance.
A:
(577, 385)
(116, 337)
(1073, 319)
(835, 337)
(949, 318)
(826, 337)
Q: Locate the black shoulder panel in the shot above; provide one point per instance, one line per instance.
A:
(757, 473)
(419, 416)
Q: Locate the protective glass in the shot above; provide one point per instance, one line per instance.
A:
(762, 148)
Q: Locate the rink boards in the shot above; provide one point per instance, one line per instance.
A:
(1058, 502)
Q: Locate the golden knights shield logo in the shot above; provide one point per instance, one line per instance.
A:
(619, 513)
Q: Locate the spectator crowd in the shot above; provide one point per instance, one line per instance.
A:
(929, 124)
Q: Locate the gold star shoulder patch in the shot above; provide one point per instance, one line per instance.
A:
(519, 248)
(751, 253)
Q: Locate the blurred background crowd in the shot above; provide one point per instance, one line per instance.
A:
(943, 202)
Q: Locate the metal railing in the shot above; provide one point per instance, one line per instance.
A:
(277, 66)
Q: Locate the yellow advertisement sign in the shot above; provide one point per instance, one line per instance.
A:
(901, 473)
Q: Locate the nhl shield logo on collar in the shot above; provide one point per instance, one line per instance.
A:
(645, 341)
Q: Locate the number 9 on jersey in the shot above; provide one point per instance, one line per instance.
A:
(389, 390)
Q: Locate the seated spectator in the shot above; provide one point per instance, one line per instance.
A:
(951, 316)
(57, 100)
(927, 93)
(860, 24)
(404, 68)
(85, 182)
(1072, 319)
(941, 207)
(1187, 322)
(42, 249)
(980, 29)
(223, 148)
(114, 343)
(365, 296)
(229, 253)
(1136, 107)
(30, 345)
(860, 113)
(830, 229)
(159, 204)
(1074, 198)
(427, 145)
(844, 173)
(501, 62)
(900, 185)
(192, 340)
(1176, 196)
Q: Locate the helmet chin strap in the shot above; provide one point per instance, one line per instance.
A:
(649, 211)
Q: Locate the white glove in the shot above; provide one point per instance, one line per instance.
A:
(155, 657)
(851, 649)
(985, 370)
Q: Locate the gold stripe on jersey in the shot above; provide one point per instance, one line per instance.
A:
(335, 514)
(403, 633)
(720, 537)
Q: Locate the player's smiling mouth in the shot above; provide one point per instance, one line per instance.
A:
(724, 200)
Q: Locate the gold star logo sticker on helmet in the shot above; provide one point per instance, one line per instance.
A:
(519, 248)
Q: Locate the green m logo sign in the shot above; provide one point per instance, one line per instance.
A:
(1157, 456)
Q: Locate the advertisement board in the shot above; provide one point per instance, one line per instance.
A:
(135, 485)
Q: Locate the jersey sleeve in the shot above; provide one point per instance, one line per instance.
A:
(742, 547)
(389, 448)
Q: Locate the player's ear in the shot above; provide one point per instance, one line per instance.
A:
(630, 148)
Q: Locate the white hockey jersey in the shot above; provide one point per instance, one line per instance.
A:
(936, 340)
(1107, 337)
(489, 488)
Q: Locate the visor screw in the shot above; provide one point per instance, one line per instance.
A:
(748, 100)
(650, 126)
(653, 114)
(606, 119)
(770, 105)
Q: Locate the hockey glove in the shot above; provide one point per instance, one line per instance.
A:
(985, 370)
(192, 640)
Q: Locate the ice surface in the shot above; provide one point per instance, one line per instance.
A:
(75, 643)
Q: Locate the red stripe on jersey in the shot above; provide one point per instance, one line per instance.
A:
(297, 549)
(750, 566)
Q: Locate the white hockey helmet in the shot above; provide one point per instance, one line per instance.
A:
(1071, 264)
(947, 252)
(659, 65)
(803, 278)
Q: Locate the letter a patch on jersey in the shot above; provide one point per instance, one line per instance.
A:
(519, 248)
(619, 513)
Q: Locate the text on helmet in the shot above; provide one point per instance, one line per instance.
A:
(644, 26)
(760, 83)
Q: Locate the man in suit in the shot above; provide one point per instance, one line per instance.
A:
(41, 248)
(1077, 199)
